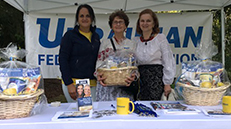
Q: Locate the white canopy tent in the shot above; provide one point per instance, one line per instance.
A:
(107, 6)
(129, 6)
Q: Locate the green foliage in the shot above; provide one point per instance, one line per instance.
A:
(217, 37)
(228, 43)
(11, 26)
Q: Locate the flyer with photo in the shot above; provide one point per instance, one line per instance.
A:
(84, 99)
(71, 115)
(215, 112)
(174, 108)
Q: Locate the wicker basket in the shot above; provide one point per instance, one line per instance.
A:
(203, 96)
(17, 106)
(116, 76)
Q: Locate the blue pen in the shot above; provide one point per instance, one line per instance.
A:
(112, 106)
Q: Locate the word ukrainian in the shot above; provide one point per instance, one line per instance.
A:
(173, 37)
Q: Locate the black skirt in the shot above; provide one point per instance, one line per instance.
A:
(151, 83)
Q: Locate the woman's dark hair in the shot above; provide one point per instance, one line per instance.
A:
(119, 14)
(77, 85)
(90, 10)
(155, 29)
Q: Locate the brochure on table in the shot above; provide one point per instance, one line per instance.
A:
(216, 112)
(71, 115)
(84, 99)
(175, 108)
(83, 106)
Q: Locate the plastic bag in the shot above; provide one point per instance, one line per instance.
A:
(20, 80)
(119, 59)
(117, 66)
(200, 79)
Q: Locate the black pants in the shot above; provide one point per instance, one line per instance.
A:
(151, 83)
(132, 89)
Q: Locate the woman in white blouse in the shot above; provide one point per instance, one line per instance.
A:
(118, 22)
(155, 59)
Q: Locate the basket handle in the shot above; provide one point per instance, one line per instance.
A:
(137, 74)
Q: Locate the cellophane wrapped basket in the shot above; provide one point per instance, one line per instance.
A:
(18, 106)
(203, 82)
(117, 76)
(21, 86)
(117, 67)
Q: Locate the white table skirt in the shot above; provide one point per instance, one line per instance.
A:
(132, 121)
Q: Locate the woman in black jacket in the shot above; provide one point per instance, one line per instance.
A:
(78, 51)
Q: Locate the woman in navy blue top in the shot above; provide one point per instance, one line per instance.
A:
(78, 50)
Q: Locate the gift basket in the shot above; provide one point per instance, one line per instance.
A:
(117, 67)
(203, 81)
(21, 86)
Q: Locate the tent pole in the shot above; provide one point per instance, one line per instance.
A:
(223, 36)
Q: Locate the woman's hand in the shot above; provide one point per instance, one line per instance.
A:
(72, 91)
(167, 90)
(129, 80)
(100, 78)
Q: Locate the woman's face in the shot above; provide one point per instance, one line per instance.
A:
(84, 18)
(87, 91)
(118, 25)
(80, 89)
(146, 23)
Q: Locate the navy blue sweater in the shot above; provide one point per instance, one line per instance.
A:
(77, 55)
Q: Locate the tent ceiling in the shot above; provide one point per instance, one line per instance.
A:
(108, 6)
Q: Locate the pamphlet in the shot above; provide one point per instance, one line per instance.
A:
(174, 108)
(215, 112)
(70, 115)
(182, 112)
(102, 113)
(168, 105)
(84, 99)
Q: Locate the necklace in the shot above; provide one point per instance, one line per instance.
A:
(118, 41)
(146, 40)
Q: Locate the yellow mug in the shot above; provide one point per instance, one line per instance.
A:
(226, 104)
(123, 106)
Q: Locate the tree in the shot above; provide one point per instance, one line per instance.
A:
(11, 26)
(217, 37)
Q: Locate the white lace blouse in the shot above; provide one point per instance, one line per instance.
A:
(157, 51)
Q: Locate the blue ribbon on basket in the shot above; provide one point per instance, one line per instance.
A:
(143, 110)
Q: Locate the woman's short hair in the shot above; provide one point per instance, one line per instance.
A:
(155, 20)
(121, 15)
(90, 10)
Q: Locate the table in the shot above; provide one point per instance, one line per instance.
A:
(43, 120)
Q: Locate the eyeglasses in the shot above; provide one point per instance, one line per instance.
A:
(118, 22)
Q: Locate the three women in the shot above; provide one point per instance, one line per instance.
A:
(155, 59)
